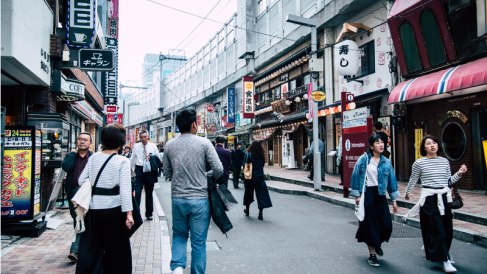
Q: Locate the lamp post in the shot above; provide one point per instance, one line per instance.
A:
(317, 155)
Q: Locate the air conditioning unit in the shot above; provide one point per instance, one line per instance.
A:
(400, 109)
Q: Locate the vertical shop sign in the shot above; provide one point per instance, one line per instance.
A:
(310, 103)
(248, 97)
(80, 25)
(418, 137)
(21, 180)
(231, 142)
(111, 83)
(231, 105)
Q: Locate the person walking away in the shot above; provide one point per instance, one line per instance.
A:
(339, 160)
(435, 215)
(256, 157)
(384, 137)
(225, 158)
(127, 152)
(73, 164)
(379, 176)
(105, 246)
(237, 162)
(185, 160)
(321, 147)
(142, 151)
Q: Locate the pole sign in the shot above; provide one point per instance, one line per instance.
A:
(111, 83)
(21, 181)
(318, 95)
(110, 109)
(231, 105)
(248, 97)
(110, 119)
(210, 107)
(350, 98)
(310, 103)
(80, 25)
(95, 59)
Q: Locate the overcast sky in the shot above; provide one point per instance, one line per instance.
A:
(147, 27)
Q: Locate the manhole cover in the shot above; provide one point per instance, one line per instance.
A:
(401, 230)
(210, 246)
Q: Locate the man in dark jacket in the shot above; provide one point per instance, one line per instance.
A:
(237, 163)
(383, 137)
(225, 157)
(74, 163)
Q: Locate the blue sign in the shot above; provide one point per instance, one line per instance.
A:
(114, 117)
(237, 123)
(231, 105)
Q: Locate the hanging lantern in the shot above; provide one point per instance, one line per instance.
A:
(346, 58)
(305, 97)
(335, 109)
(322, 113)
(288, 102)
(327, 111)
(352, 105)
(298, 99)
(332, 110)
(340, 108)
(347, 107)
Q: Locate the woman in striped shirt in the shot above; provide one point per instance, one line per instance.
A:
(105, 245)
(435, 216)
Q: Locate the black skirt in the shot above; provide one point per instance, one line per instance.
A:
(437, 230)
(260, 187)
(376, 227)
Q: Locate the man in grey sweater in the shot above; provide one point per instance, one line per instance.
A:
(185, 161)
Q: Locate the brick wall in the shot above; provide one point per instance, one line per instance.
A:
(430, 113)
(92, 130)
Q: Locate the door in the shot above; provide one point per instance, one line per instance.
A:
(270, 151)
(479, 142)
(277, 151)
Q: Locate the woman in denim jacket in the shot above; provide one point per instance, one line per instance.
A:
(376, 227)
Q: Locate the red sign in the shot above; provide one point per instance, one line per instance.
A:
(248, 98)
(120, 118)
(111, 109)
(210, 107)
(110, 119)
(113, 27)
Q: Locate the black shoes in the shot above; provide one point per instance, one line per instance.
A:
(379, 251)
(149, 218)
(309, 177)
(73, 256)
(260, 217)
(373, 260)
(246, 212)
(236, 187)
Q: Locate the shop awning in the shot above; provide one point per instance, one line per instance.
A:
(461, 77)
(401, 6)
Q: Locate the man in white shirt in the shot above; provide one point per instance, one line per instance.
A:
(144, 150)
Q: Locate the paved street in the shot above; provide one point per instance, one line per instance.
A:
(304, 235)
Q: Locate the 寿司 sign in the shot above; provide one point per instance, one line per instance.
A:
(346, 58)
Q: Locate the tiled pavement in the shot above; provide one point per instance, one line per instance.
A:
(48, 253)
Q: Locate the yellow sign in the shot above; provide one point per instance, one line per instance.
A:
(171, 135)
(318, 96)
(418, 137)
(484, 144)
(231, 142)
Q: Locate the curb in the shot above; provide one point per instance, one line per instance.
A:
(462, 234)
(165, 237)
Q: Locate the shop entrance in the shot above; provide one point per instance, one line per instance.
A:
(479, 143)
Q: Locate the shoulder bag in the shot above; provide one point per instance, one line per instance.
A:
(360, 207)
(457, 202)
(248, 168)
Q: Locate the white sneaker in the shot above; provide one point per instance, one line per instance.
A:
(179, 270)
(448, 268)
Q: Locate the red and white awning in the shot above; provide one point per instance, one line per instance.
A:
(457, 78)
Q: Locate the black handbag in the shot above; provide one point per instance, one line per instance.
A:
(227, 198)
(457, 202)
(138, 221)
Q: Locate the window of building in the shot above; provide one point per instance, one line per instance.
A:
(367, 59)
(410, 48)
(230, 36)
(262, 6)
(193, 65)
(221, 46)
(432, 39)
(213, 48)
(454, 141)
(221, 35)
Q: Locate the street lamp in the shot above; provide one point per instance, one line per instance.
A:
(317, 156)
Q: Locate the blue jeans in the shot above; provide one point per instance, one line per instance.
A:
(190, 215)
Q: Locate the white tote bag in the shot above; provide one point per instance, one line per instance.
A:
(360, 207)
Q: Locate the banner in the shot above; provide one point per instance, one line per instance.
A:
(418, 137)
(310, 103)
(21, 182)
(111, 77)
(248, 97)
(231, 105)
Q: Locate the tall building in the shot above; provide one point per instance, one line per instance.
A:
(151, 66)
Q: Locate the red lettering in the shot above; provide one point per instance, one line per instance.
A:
(6, 196)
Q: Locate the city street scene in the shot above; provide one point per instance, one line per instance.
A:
(244, 136)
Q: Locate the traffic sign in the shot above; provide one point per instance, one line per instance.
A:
(350, 97)
(210, 107)
(96, 59)
(318, 96)
(115, 117)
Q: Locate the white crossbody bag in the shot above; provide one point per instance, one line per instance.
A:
(360, 207)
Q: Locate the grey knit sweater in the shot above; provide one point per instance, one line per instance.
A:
(185, 161)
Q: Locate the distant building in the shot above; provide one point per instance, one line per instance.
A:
(151, 66)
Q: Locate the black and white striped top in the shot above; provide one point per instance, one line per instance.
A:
(116, 172)
(433, 172)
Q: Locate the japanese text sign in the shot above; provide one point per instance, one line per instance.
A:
(95, 59)
(81, 23)
(231, 105)
(111, 82)
(248, 97)
(346, 58)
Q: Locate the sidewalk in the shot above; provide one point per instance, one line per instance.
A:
(48, 253)
(470, 222)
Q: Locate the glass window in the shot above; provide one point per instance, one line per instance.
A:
(230, 37)
(410, 48)
(221, 46)
(432, 39)
(221, 35)
(454, 141)
(200, 55)
(262, 6)
(367, 59)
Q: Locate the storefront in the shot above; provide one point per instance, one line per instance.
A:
(449, 104)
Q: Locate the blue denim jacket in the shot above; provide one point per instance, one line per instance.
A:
(387, 177)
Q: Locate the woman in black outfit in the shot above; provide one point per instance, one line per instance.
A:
(257, 158)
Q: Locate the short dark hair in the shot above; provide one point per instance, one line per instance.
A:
(378, 125)
(256, 149)
(422, 148)
(143, 131)
(220, 139)
(127, 147)
(87, 133)
(185, 119)
(238, 144)
(113, 136)
(372, 138)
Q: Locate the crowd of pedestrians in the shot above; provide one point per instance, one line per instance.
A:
(189, 161)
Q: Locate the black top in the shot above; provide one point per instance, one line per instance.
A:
(237, 157)
(257, 165)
